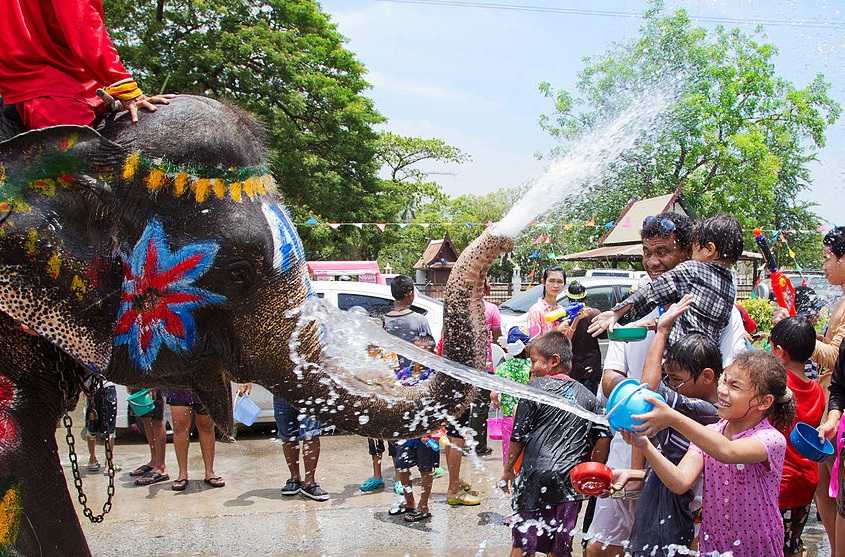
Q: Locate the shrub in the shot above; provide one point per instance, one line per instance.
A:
(761, 312)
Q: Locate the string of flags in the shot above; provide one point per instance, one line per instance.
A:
(543, 238)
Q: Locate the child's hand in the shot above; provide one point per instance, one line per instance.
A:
(602, 322)
(827, 429)
(667, 320)
(622, 476)
(634, 439)
(506, 480)
(494, 400)
(660, 417)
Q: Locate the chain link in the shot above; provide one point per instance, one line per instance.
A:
(96, 384)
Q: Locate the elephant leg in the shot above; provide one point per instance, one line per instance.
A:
(36, 512)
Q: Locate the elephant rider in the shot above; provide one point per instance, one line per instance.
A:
(56, 54)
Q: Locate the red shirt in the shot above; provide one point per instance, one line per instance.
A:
(55, 48)
(800, 474)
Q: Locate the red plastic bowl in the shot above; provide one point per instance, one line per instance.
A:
(591, 478)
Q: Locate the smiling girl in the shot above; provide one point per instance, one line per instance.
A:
(741, 457)
(553, 281)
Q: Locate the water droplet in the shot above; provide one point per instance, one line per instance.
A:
(363, 418)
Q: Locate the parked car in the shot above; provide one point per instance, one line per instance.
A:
(602, 293)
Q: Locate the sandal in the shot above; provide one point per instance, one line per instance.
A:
(400, 509)
(93, 467)
(179, 485)
(466, 487)
(463, 499)
(151, 478)
(142, 470)
(216, 481)
(417, 516)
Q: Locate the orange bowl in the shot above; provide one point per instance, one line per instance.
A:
(591, 478)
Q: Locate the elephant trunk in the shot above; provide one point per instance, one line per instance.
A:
(424, 407)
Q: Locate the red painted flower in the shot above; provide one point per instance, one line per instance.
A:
(8, 428)
(159, 295)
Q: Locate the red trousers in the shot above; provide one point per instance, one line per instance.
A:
(42, 112)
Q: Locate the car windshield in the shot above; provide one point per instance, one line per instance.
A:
(523, 301)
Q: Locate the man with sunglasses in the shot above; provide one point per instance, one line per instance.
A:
(667, 242)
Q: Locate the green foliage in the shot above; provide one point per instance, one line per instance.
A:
(404, 252)
(761, 312)
(285, 61)
(737, 141)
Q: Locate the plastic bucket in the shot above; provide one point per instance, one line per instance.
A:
(141, 402)
(246, 411)
(591, 478)
(628, 399)
(628, 334)
(805, 439)
(494, 427)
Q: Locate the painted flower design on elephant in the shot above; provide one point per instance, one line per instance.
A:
(159, 295)
(8, 428)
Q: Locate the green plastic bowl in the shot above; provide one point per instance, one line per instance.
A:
(141, 402)
(627, 334)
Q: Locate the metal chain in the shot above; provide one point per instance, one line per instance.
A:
(96, 383)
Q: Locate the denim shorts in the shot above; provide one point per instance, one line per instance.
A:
(289, 425)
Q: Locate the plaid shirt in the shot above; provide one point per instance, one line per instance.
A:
(711, 287)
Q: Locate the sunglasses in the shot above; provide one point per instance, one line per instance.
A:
(665, 224)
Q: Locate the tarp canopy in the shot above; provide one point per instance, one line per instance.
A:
(364, 271)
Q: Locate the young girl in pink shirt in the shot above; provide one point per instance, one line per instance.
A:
(741, 457)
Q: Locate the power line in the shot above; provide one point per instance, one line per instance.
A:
(809, 24)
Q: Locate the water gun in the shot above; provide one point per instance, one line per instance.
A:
(781, 285)
(570, 312)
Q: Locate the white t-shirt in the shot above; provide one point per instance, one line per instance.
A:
(629, 359)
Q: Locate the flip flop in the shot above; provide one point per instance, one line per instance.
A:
(179, 485)
(151, 478)
(416, 516)
(142, 470)
(400, 509)
(216, 481)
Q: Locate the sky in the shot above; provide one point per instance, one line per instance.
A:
(470, 75)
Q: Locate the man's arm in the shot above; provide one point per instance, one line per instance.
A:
(86, 36)
(600, 450)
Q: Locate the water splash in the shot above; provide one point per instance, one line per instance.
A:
(589, 157)
(346, 337)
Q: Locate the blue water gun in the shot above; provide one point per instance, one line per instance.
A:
(570, 312)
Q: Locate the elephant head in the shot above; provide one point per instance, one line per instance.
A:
(162, 254)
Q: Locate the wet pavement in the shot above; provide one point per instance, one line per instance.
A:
(249, 516)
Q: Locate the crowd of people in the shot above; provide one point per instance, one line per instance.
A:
(710, 468)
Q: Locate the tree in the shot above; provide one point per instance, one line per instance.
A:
(284, 61)
(738, 140)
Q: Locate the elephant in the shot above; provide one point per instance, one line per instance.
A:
(161, 254)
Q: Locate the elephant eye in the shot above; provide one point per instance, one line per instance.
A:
(242, 273)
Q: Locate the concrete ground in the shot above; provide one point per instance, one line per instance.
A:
(249, 516)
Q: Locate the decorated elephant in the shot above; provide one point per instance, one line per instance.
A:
(161, 254)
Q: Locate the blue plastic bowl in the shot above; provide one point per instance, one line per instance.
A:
(627, 399)
(805, 439)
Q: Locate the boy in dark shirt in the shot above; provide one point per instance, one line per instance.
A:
(663, 521)
(552, 441)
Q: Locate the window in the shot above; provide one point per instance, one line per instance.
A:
(374, 305)
(600, 297)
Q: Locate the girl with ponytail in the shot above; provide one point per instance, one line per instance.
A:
(741, 457)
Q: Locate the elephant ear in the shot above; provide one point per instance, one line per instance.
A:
(58, 276)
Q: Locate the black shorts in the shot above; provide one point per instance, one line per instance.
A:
(375, 446)
(101, 413)
(453, 426)
(793, 526)
(414, 453)
(186, 398)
